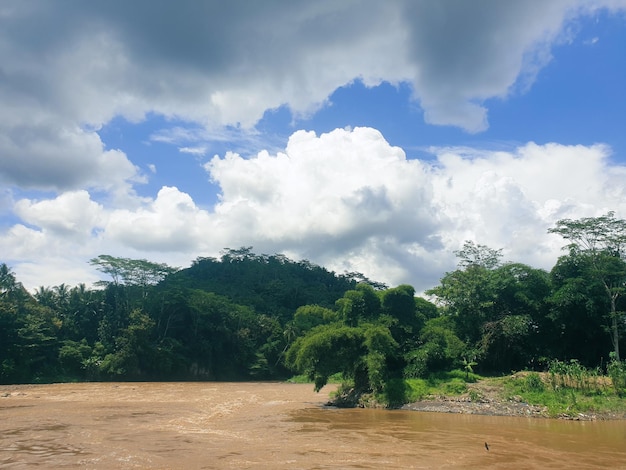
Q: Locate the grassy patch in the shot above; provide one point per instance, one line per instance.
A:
(561, 400)
(442, 383)
(304, 379)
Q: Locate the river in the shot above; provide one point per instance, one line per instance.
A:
(274, 426)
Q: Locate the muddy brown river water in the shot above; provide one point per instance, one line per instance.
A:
(274, 426)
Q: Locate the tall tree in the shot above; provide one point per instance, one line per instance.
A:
(475, 254)
(578, 306)
(603, 240)
(469, 295)
(133, 272)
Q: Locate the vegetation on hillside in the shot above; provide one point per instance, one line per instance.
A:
(247, 316)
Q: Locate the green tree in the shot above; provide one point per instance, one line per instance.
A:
(310, 316)
(360, 304)
(499, 310)
(9, 340)
(578, 311)
(519, 328)
(358, 353)
(28, 333)
(74, 357)
(132, 272)
(469, 296)
(473, 254)
(399, 305)
(439, 349)
(603, 240)
(133, 349)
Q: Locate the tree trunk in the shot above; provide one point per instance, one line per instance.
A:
(614, 327)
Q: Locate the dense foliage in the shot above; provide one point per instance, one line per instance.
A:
(227, 318)
(248, 316)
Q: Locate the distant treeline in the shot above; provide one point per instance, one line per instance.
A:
(247, 316)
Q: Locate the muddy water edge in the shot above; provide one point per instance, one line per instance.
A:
(275, 426)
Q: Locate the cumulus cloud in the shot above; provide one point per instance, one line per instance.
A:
(214, 68)
(509, 199)
(347, 200)
(71, 214)
(171, 222)
(67, 69)
(48, 156)
(467, 52)
(340, 187)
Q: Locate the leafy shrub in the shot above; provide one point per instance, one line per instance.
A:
(417, 389)
(533, 383)
(417, 364)
(396, 392)
(573, 375)
(455, 387)
(617, 371)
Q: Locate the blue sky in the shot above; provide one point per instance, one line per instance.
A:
(362, 135)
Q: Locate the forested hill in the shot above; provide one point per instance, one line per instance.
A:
(273, 285)
(218, 319)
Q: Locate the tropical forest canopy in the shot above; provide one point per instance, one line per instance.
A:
(248, 316)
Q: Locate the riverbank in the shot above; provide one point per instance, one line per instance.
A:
(491, 397)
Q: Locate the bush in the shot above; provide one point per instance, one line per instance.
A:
(573, 375)
(417, 389)
(617, 372)
(455, 387)
(396, 391)
(417, 364)
(533, 383)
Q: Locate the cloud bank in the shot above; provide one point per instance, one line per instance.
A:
(70, 67)
(346, 200)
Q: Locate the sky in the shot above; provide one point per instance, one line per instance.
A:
(360, 135)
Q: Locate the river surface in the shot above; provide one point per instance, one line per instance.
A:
(274, 426)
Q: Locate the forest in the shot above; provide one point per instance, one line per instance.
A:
(245, 316)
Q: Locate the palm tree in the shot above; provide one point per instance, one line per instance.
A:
(45, 296)
(7, 281)
(468, 366)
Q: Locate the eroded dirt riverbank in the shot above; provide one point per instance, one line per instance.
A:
(274, 426)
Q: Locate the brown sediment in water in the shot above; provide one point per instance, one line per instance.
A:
(274, 426)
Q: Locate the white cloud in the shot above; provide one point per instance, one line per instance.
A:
(467, 52)
(171, 222)
(197, 151)
(66, 71)
(346, 200)
(510, 199)
(71, 214)
(52, 155)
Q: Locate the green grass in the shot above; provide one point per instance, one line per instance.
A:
(304, 379)
(442, 383)
(560, 400)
